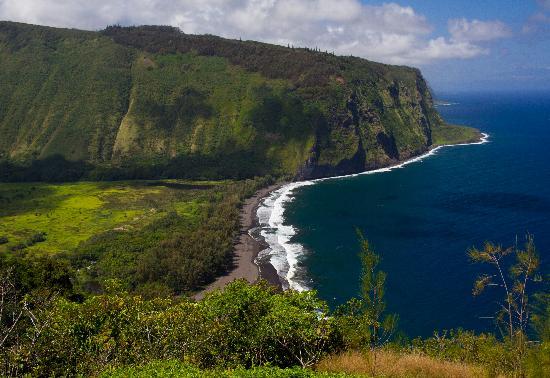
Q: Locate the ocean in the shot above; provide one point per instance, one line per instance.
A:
(422, 217)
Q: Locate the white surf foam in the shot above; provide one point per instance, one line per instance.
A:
(284, 254)
(445, 104)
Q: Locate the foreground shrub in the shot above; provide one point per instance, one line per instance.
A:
(163, 369)
(254, 325)
(537, 363)
(244, 325)
(499, 357)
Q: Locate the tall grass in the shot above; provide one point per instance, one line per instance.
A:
(392, 364)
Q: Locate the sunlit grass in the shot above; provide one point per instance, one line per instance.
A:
(452, 134)
(72, 213)
(393, 364)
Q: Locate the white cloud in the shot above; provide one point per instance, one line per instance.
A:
(389, 32)
(476, 30)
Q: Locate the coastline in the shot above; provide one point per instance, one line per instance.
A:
(289, 271)
(247, 247)
(484, 138)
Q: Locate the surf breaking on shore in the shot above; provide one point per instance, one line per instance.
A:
(284, 254)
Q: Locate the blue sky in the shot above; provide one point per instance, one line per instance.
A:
(467, 45)
(519, 62)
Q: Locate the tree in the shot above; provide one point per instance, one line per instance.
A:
(514, 310)
(373, 280)
(514, 313)
(363, 321)
(540, 317)
(10, 311)
(23, 319)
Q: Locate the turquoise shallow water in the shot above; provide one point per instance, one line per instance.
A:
(422, 218)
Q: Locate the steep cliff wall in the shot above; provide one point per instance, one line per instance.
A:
(384, 120)
(152, 101)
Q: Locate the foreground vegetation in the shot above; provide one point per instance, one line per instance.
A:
(257, 330)
(179, 369)
(243, 327)
(395, 363)
(346, 365)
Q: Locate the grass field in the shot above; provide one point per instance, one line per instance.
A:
(452, 134)
(51, 218)
(392, 364)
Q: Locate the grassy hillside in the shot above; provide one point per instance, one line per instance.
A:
(150, 102)
(64, 92)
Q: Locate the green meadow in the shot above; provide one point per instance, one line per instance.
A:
(454, 134)
(52, 218)
(156, 238)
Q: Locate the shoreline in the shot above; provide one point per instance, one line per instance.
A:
(284, 239)
(484, 138)
(247, 247)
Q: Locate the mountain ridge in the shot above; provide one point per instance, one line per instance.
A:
(151, 101)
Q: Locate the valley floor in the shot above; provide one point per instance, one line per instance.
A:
(68, 214)
(156, 238)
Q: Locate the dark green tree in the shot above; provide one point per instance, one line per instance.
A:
(363, 321)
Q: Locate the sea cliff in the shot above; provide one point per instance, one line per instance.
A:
(151, 101)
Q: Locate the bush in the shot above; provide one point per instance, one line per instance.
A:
(39, 237)
(466, 346)
(257, 326)
(244, 325)
(18, 247)
(179, 369)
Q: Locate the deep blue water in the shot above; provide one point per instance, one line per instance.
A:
(422, 218)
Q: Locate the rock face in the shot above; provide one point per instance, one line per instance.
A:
(394, 126)
(152, 101)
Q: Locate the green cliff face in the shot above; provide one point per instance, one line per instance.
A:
(151, 101)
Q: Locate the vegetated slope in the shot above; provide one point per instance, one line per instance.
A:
(63, 92)
(151, 101)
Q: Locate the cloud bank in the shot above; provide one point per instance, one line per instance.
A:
(389, 33)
